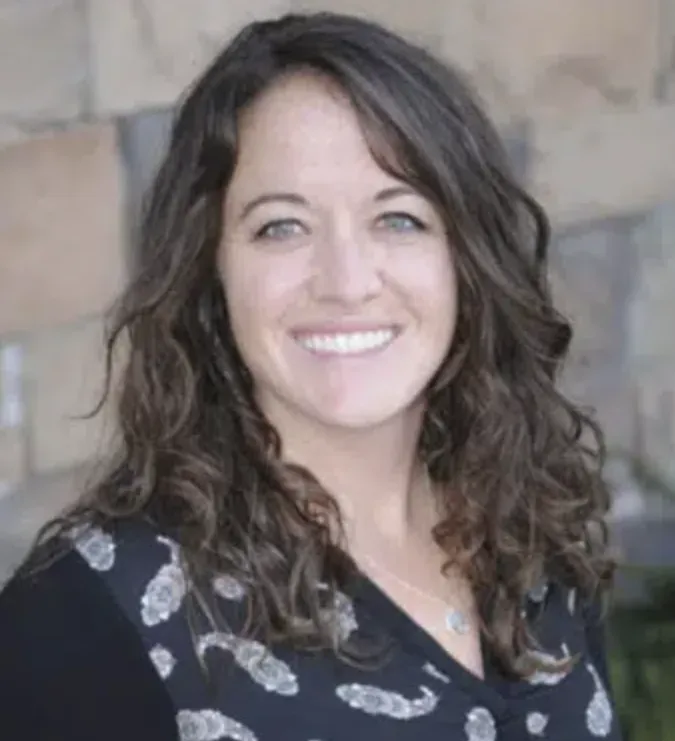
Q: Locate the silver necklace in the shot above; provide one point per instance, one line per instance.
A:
(454, 620)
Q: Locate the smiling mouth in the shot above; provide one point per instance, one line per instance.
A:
(348, 343)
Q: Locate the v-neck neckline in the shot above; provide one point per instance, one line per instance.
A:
(411, 635)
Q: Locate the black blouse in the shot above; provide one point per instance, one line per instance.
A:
(101, 645)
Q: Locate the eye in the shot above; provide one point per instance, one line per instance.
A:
(402, 222)
(280, 229)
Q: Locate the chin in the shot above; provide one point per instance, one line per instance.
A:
(363, 416)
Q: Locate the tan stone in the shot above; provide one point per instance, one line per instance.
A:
(604, 164)
(12, 459)
(568, 57)
(43, 59)
(60, 228)
(447, 28)
(64, 375)
(147, 51)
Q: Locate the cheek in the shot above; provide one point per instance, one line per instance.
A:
(431, 285)
(258, 293)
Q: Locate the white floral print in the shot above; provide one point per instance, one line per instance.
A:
(572, 601)
(551, 677)
(480, 725)
(211, 725)
(265, 669)
(536, 723)
(95, 546)
(346, 616)
(229, 588)
(164, 593)
(432, 671)
(376, 701)
(539, 592)
(599, 711)
(163, 660)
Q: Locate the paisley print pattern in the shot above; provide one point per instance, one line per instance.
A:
(549, 678)
(163, 660)
(572, 601)
(432, 671)
(480, 725)
(211, 725)
(599, 711)
(539, 592)
(95, 546)
(536, 723)
(336, 702)
(256, 660)
(376, 701)
(345, 616)
(229, 588)
(164, 594)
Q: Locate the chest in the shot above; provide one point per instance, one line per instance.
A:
(440, 604)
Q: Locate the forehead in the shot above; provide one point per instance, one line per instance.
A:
(303, 131)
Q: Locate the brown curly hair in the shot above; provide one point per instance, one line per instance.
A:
(197, 455)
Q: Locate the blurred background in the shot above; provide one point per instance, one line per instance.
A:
(583, 92)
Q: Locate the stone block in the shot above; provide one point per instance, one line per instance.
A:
(568, 58)
(61, 236)
(651, 335)
(604, 164)
(11, 385)
(656, 420)
(592, 268)
(143, 141)
(12, 459)
(665, 81)
(43, 69)
(64, 372)
(25, 510)
(146, 52)
(651, 329)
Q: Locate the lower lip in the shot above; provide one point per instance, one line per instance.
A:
(329, 353)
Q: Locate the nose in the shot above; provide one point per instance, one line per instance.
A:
(347, 269)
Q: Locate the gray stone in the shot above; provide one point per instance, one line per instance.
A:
(516, 138)
(651, 337)
(143, 140)
(665, 79)
(592, 273)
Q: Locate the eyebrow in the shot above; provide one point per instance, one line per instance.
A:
(297, 200)
(293, 198)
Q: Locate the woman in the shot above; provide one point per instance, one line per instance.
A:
(348, 500)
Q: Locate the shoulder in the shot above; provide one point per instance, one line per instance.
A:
(72, 665)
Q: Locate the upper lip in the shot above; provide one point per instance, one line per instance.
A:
(344, 327)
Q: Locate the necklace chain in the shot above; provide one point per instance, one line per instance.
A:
(455, 620)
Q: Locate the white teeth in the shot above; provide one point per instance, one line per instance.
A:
(347, 343)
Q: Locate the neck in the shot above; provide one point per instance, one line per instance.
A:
(372, 473)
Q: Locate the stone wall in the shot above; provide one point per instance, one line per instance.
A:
(583, 90)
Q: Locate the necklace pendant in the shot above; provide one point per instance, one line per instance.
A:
(456, 622)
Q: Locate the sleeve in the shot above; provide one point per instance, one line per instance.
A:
(72, 667)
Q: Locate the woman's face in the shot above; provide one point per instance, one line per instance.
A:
(339, 281)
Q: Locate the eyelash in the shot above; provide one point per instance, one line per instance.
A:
(263, 232)
(417, 223)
